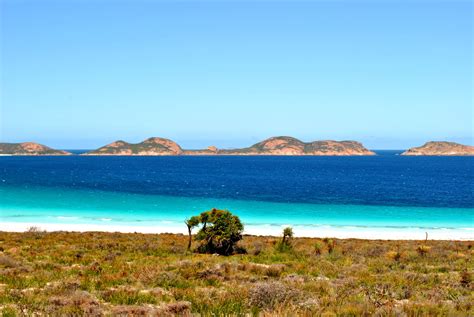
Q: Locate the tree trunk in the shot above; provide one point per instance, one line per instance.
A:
(190, 238)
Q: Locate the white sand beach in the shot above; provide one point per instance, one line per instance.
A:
(385, 233)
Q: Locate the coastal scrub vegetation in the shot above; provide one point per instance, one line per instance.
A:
(285, 244)
(220, 232)
(129, 274)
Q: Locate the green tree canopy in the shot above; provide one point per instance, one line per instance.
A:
(191, 223)
(220, 231)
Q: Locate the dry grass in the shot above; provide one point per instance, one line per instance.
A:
(97, 274)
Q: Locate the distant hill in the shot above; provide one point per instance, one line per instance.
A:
(151, 146)
(281, 145)
(28, 148)
(273, 146)
(441, 148)
(285, 145)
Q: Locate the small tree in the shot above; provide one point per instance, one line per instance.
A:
(287, 235)
(220, 232)
(330, 244)
(318, 248)
(191, 223)
(285, 244)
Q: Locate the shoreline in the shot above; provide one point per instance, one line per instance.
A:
(363, 233)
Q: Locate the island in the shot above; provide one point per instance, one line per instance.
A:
(282, 145)
(151, 146)
(29, 148)
(440, 148)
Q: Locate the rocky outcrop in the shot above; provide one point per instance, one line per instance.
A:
(211, 150)
(285, 145)
(441, 148)
(273, 146)
(151, 146)
(28, 148)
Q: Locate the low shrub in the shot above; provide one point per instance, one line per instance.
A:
(8, 262)
(394, 255)
(466, 278)
(330, 244)
(423, 250)
(267, 295)
(318, 248)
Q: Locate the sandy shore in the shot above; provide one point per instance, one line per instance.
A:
(466, 234)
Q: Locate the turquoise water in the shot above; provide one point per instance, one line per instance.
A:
(352, 196)
(46, 205)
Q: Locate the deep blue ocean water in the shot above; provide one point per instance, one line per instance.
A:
(386, 190)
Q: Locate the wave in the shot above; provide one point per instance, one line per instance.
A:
(67, 217)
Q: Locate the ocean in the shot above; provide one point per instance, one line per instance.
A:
(385, 196)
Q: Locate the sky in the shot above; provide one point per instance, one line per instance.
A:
(392, 74)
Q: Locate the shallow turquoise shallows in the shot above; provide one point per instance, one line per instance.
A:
(46, 205)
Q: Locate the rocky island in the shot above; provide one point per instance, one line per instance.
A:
(441, 148)
(285, 145)
(282, 145)
(151, 146)
(28, 148)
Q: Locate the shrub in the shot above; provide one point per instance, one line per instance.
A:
(318, 248)
(81, 302)
(238, 249)
(285, 244)
(181, 308)
(268, 295)
(280, 247)
(33, 229)
(35, 232)
(275, 270)
(423, 250)
(220, 232)
(129, 310)
(7, 261)
(257, 248)
(330, 244)
(393, 255)
(466, 278)
(287, 235)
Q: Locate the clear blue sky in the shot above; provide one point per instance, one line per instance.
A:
(80, 74)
